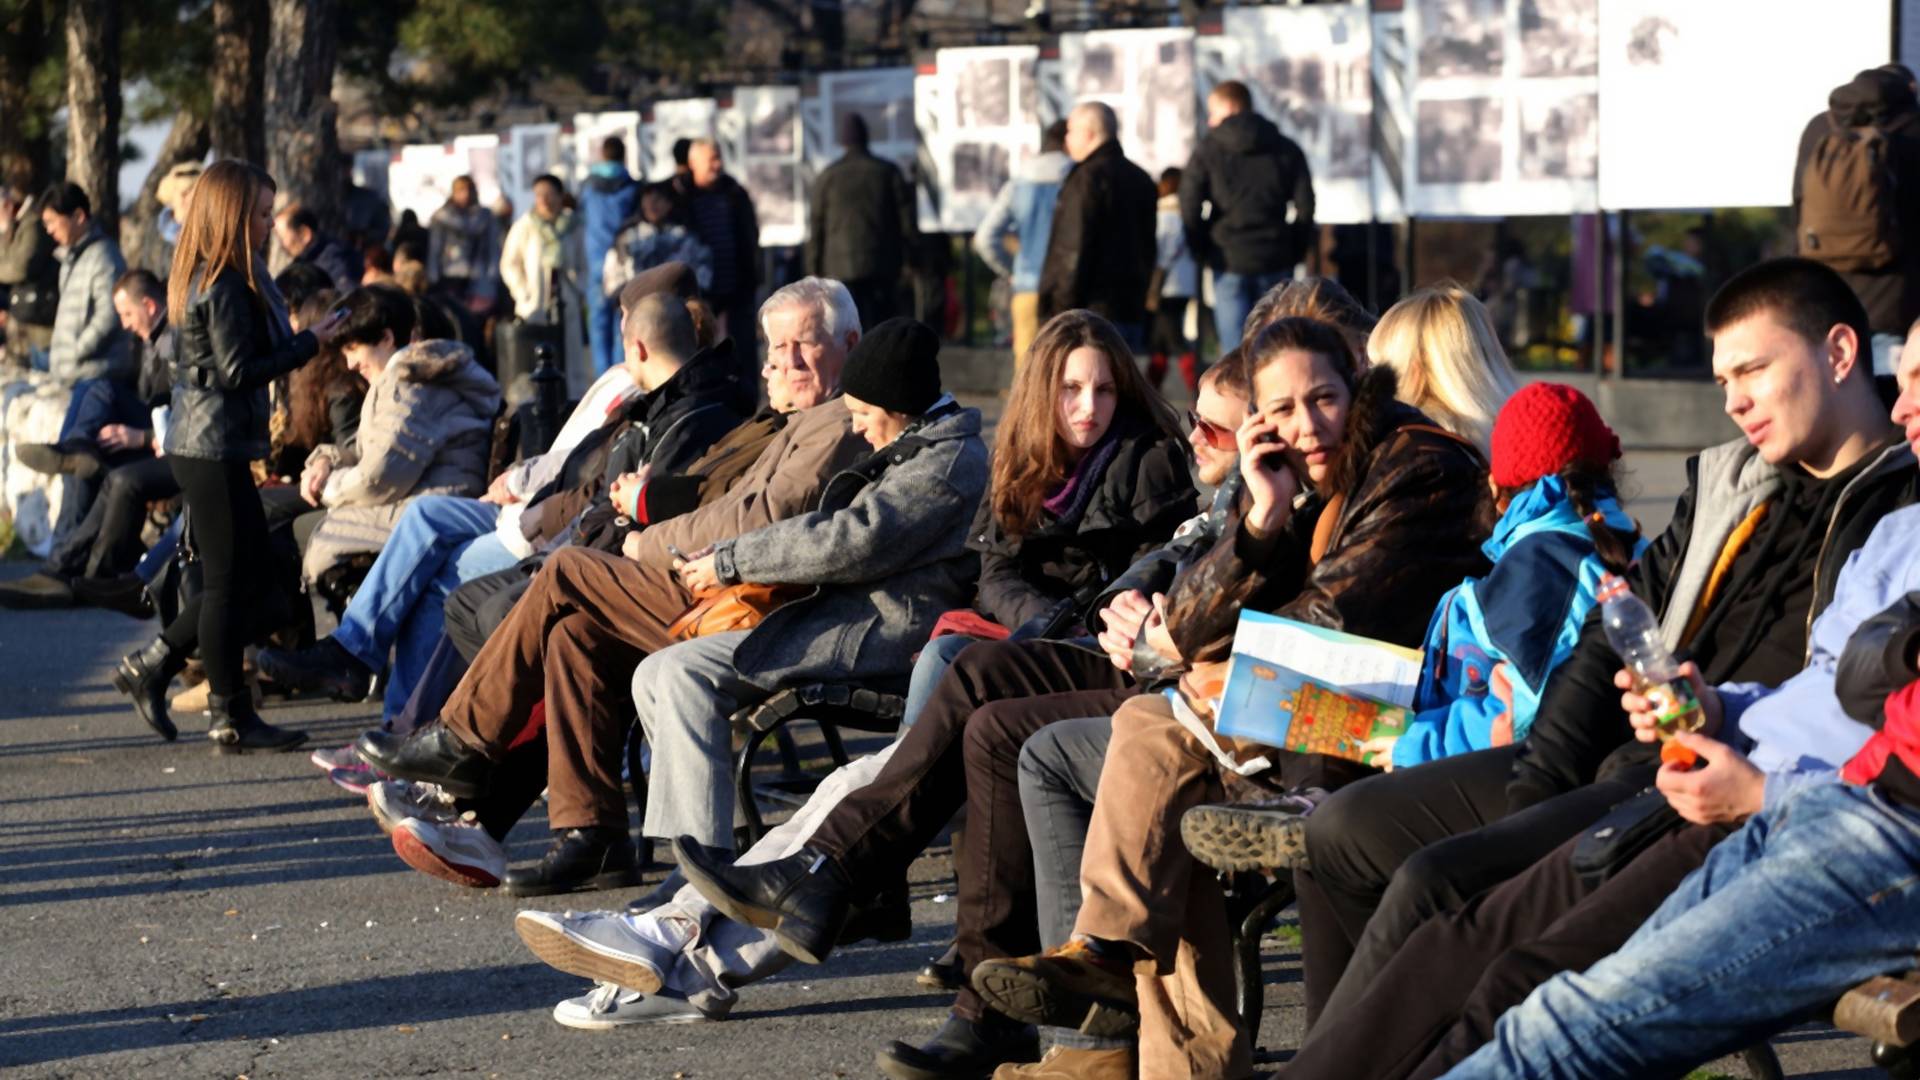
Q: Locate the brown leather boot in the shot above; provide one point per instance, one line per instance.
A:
(1071, 1063)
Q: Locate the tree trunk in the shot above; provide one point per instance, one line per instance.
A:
(238, 122)
(25, 42)
(93, 105)
(187, 140)
(304, 153)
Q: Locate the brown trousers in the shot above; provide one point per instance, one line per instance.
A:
(573, 641)
(1140, 886)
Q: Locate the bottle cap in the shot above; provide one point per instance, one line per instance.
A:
(1673, 753)
(1611, 587)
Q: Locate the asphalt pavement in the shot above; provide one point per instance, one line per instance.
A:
(170, 912)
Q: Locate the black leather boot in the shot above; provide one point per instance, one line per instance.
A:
(888, 917)
(962, 1048)
(323, 667)
(144, 676)
(802, 898)
(431, 755)
(236, 728)
(578, 860)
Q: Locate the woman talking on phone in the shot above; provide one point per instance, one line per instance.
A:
(234, 341)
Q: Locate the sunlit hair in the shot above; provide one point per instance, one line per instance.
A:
(1031, 456)
(1319, 298)
(1297, 333)
(1451, 366)
(218, 232)
(309, 423)
(830, 300)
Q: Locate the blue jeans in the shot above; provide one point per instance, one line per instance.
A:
(95, 403)
(928, 670)
(603, 329)
(439, 542)
(1784, 917)
(162, 551)
(1233, 298)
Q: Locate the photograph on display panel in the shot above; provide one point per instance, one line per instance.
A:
(1147, 78)
(764, 155)
(977, 120)
(1309, 69)
(673, 120)
(1462, 38)
(1459, 141)
(1560, 138)
(1558, 38)
(590, 130)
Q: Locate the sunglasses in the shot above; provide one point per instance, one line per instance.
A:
(1216, 436)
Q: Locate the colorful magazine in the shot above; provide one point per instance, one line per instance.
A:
(1312, 690)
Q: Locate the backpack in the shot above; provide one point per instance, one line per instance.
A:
(1847, 200)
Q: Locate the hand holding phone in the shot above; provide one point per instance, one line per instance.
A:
(1271, 482)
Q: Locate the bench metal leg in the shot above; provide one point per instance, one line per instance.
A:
(836, 746)
(1762, 1063)
(1900, 1062)
(637, 777)
(1247, 936)
(755, 827)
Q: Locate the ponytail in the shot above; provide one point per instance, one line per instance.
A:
(1586, 486)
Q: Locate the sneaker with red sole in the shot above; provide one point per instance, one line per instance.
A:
(357, 778)
(340, 757)
(458, 852)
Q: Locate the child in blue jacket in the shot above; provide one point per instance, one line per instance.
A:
(1494, 640)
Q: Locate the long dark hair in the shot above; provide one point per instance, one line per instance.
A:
(309, 423)
(1586, 485)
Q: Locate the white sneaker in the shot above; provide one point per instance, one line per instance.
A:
(634, 951)
(451, 851)
(610, 1005)
(394, 801)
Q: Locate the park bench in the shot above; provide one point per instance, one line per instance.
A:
(1886, 1009)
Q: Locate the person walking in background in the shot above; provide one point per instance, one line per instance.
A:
(606, 202)
(1175, 282)
(722, 216)
(1100, 250)
(1856, 200)
(861, 224)
(29, 275)
(463, 245)
(298, 230)
(1250, 175)
(1024, 209)
(654, 236)
(234, 340)
(543, 264)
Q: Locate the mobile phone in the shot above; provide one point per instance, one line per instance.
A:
(337, 314)
(677, 553)
(1274, 462)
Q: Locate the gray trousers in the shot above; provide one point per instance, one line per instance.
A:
(686, 695)
(725, 954)
(1059, 773)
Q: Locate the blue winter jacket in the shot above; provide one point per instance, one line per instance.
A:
(607, 200)
(1527, 612)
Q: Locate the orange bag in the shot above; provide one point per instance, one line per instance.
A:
(736, 607)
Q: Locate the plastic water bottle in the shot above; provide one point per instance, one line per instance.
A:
(1634, 633)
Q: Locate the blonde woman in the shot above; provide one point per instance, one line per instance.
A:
(1440, 340)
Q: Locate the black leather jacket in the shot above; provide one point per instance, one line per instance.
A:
(226, 358)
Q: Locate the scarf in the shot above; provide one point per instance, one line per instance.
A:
(1070, 501)
(551, 234)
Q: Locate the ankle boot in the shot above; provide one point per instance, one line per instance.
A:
(143, 676)
(237, 728)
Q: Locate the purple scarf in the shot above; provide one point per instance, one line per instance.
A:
(1070, 501)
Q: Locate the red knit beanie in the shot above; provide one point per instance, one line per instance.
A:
(1543, 429)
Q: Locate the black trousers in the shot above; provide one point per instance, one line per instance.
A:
(228, 531)
(1392, 851)
(106, 543)
(1437, 1000)
(964, 750)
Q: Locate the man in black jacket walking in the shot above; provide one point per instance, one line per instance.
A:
(860, 225)
(1100, 254)
(1250, 173)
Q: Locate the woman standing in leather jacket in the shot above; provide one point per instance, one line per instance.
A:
(234, 341)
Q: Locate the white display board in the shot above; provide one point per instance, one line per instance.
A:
(670, 121)
(591, 129)
(1147, 78)
(978, 114)
(1703, 103)
(483, 164)
(1310, 72)
(883, 97)
(420, 177)
(762, 142)
(530, 151)
(1504, 106)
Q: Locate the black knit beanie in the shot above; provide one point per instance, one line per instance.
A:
(895, 366)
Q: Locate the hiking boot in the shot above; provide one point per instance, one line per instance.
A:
(578, 860)
(321, 668)
(237, 729)
(1262, 836)
(1076, 1063)
(75, 457)
(432, 755)
(610, 1005)
(961, 1048)
(36, 592)
(1073, 986)
(144, 676)
(395, 801)
(126, 594)
(634, 951)
(451, 851)
(801, 898)
(943, 972)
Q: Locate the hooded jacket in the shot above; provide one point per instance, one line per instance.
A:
(1024, 208)
(606, 200)
(426, 425)
(885, 552)
(861, 220)
(1144, 492)
(1526, 613)
(1101, 248)
(1892, 295)
(1251, 174)
(463, 243)
(88, 342)
(1401, 537)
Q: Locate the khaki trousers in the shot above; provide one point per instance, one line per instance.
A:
(1025, 309)
(1140, 886)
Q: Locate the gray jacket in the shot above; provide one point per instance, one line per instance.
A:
(87, 340)
(886, 552)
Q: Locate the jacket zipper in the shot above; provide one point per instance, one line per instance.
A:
(1820, 558)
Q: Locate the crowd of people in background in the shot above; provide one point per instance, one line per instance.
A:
(755, 489)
